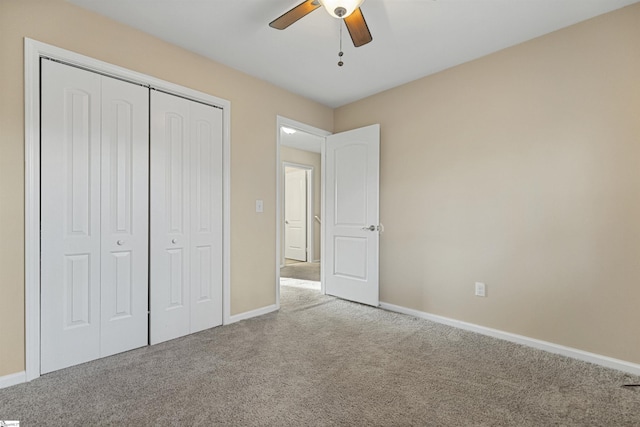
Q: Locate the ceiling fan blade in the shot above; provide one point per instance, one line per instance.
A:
(358, 29)
(294, 14)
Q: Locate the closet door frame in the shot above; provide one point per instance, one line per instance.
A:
(33, 51)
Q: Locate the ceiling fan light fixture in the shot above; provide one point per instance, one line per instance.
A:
(341, 8)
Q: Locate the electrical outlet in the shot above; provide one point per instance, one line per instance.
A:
(259, 206)
(481, 289)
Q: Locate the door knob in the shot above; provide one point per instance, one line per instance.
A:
(120, 242)
(174, 241)
(370, 228)
(286, 222)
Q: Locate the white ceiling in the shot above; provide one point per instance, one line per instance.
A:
(411, 38)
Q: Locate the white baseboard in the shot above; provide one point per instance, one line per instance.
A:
(253, 313)
(574, 353)
(13, 379)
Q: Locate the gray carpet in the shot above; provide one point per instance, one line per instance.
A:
(302, 271)
(323, 361)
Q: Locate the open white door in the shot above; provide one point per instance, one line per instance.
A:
(352, 215)
(295, 214)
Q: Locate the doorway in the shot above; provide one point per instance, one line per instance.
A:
(350, 173)
(299, 201)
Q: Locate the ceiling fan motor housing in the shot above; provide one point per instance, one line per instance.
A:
(340, 11)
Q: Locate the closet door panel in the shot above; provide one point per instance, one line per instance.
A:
(70, 216)
(170, 220)
(125, 201)
(206, 216)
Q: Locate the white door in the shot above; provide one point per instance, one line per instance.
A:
(206, 216)
(295, 214)
(186, 217)
(94, 151)
(124, 265)
(352, 215)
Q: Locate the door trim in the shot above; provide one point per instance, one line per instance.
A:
(290, 123)
(33, 51)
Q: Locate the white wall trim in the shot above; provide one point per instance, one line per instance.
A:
(585, 356)
(252, 313)
(323, 213)
(280, 122)
(13, 379)
(33, 51)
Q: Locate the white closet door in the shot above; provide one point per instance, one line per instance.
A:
(206, 216)
(169, 272)
(70, 216)
(186, 217)
(125, 219)
(94, 195)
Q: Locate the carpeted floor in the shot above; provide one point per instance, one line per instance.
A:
(324, 361)
(297, 283)
(301, 271)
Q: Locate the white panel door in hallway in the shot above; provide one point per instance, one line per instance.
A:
(94, 210)
(186, 217)
(352, 215)
(295, 214)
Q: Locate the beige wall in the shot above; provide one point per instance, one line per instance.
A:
(254, 107)
(307, 158)
(520, 170)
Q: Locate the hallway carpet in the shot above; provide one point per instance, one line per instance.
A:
(321, 361)
(302, 271)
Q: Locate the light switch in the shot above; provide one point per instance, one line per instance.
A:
(259, 206)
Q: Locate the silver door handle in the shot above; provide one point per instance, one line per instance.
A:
(120, 242)
(370, 228)
(174, 241)
(286, 222)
